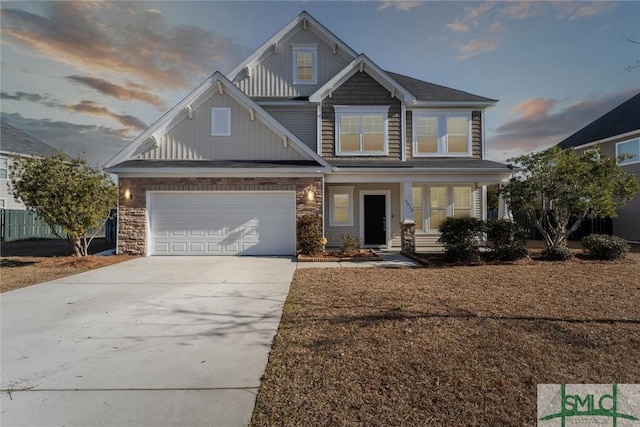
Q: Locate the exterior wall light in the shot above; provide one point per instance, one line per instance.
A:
(311, 196)
(128, 195)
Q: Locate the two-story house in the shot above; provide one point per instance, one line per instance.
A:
(617, 133)
(304, 125)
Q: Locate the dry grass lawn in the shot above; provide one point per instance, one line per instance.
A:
(27, 263)
(450, 346)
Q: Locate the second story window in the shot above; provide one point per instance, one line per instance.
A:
(361, 131)
(441, 134)
(305, 60)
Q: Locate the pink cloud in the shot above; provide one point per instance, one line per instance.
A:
(534, 107)
(475, 47)
(400, 5)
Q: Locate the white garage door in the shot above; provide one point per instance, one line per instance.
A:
(223, 223)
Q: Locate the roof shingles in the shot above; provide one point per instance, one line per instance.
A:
(623, 119)
(13, 140)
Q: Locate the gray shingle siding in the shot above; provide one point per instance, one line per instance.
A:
(361, 89)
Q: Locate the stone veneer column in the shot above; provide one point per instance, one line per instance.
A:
(408, 237)
(132, 223)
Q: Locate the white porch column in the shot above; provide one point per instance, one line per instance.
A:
(406, 210)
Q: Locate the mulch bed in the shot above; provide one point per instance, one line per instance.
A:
(456, 346)
(337, 256)
(26, 263)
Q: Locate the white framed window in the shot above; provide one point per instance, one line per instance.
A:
(340, 206)
(629, 148)
(432, 204)
(4, 168)
(221, 121)
(362, 131)
(441, 134)
(305, 64)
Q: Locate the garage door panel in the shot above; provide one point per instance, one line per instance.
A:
(238, 223)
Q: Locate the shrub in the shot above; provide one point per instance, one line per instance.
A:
(309, 233)
(557, 253)
(349, 243)
(511, 251)
(460, 237)
(508, 239)
(601, 246)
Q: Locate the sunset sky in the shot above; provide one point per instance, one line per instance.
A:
(89, 76)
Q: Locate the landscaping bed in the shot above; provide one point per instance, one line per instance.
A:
(26, 263)
(457, 346)
(338, 255)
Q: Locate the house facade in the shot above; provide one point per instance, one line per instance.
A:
(617, 133)
(17, 143)
(304, 125)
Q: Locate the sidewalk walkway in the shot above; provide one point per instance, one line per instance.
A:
(390, 259)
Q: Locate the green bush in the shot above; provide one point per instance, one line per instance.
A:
(460, 237)
(508, 239)
(349, 243)
(511, 251)
(605, 247)
(557, 253)
(309, 233)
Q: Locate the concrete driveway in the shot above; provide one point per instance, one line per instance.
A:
(175, 341)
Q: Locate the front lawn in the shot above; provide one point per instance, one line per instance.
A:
(449, 346)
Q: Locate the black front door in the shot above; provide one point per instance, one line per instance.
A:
(375, 223)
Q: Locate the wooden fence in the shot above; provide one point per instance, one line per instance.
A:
(22, 225)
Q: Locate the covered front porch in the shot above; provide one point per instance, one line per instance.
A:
(401, 211)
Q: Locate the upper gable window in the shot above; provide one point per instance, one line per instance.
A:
(361, 131)
(305, 64)
(221, 121)
(630, 150)
(441, 134)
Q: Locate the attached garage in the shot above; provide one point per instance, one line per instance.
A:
(222, 223)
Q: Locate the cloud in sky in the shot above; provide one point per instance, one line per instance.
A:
(131, 123)
(540, 124)
(96, 143)
(117, 37)
(475, 47)
(515, 10)
(401, 5)
(92, 107)
(130, 91)
(45, 100)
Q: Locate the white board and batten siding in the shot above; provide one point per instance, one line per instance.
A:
(191, 139)
(273, 77)
(222, 223)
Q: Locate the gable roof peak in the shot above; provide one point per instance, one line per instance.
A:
(362, 63)
(217, 82)
(303, 21)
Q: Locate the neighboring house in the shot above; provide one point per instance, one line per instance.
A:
(14, 142)
(304, 125)
(617, 133)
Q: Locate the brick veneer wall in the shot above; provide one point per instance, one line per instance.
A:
(132, 214)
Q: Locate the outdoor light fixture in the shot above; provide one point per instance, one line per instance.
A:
(128, 195)
(311, 196)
